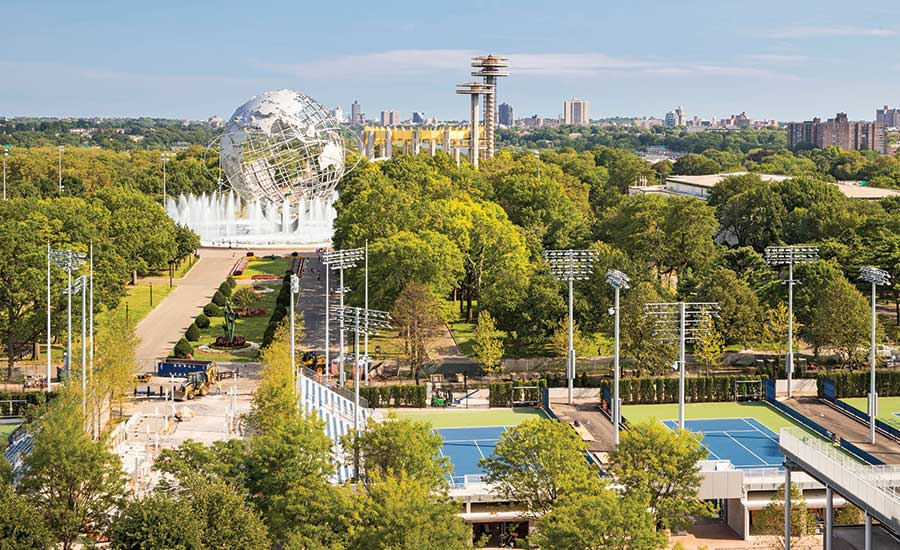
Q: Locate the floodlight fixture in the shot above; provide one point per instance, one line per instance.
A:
(571, 265)
(876, 277)
(338, 260)
(617, 279)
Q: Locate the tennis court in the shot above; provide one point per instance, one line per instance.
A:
(888, 408)
(465, 447)
(745, 442)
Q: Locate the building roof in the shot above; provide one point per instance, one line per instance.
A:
(850, 189)
(712, 180)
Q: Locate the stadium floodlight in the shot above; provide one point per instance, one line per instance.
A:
(789, 256)
(570, 266)
(682, 322)
(362, 321)
(618, 281)
(70, 261)
(80, 284)
(876, 277)
(338, 260)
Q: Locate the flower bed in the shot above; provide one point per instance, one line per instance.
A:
(253, 312)
(240, 266)
(265, 277)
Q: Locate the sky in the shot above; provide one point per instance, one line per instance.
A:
(787, 59)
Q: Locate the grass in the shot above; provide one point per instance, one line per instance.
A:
(765, 414)
(464, 334)
(5, 431)
(887, 406)
(138, 299)
(461, 418)
(266, 266)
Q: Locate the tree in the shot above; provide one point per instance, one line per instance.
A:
(218, 298)
(639, 340)
(419, 316)
(559, 342)
(740, 314)
(598, 519)
(21, 523)
(245, 299)
(695, 165)
(75, 482)
(841, 320)
(401, 512)
(710, 345)
(192, 334)
(655, 461)
(115, 359)
(183, 348)
(488, 343)
(400, 446)
(770, 520)
(514, 471)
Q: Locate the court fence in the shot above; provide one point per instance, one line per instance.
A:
(830, 394)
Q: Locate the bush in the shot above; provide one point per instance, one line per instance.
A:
(211, 310)
(202, 321)
(231, 282)
(192, 333)
(219, 298)
(225, 289)
(294, 254)
(394, 396)
(698, 389)
(856, 383)
(183, 348)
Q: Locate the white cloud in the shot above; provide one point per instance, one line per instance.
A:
(776, 58)
(831, 31)
(394, 63)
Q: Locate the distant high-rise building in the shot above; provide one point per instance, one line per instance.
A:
(577, 112)
(390, 118)
(418, 117)
(676, 118)
(505, 115)
(671, 120)
(889, 117)
(839, 131)
(356, 116)
(338, 114)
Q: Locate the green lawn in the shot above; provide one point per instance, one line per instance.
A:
(460, 418)
(5, 430)
(765, 414)
(464, 334)
(138, 299)
(266, 266)
(887, 406)
(251, 328)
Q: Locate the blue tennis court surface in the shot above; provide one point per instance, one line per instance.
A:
(743, 441)
(465, 447)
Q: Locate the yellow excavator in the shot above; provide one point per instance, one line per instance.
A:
(198, 383)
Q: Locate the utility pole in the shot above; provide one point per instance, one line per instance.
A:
(570, 266)
(618, 281)
(790, 255)
(877, 277)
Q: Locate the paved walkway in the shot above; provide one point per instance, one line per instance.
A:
(166, 323)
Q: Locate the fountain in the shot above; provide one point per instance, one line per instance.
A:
(223, 219)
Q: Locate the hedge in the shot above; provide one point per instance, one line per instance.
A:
(856, 383)
(30, 398)
(211, 310)
(504, 394)
(394, 396)
(699, 389)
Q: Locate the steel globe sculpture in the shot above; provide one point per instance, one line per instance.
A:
(281, 157)
(282, 144)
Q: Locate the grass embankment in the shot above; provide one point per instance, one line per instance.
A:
(887, 406)
(460, 418)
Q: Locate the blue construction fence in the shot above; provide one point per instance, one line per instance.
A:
(814, 426)
(828, 392)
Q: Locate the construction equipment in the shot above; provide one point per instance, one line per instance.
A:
(197, 383)
(144, 378)
(441, 397)
(313, 360)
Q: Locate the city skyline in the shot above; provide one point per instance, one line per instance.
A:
(181, 61)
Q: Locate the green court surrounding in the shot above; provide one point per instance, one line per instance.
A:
(765, 414)
(5, 430)
(460, 418)
(888, 408)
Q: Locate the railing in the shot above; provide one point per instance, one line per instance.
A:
(319, 379)
(876, 486)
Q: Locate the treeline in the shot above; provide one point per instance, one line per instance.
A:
(478, 237)
(118, 134)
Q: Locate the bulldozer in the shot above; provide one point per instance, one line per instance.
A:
(198, 383)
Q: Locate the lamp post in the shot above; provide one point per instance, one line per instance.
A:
(684, 319)
(364, 321)
(790, 255)
(570, 265)
(59, 169)
(338, 260)
(877, 277)
(295, 289)
(618, 281)
(68, 260)
(80, 285)
(165, 159)
(5, 154)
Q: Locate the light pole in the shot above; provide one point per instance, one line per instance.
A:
(80, 285)
(338, 260)
(68, 260)
(366, 305)
(295, 289)
(165, 159)
(571, 265)
(5, 154)
(790, 255)
(59, 169)
(877, 277)
(618, 281)
(364, 321)
(684, 319)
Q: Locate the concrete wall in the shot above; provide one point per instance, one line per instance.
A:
(738, 517)
(579, 393)
(799, 386)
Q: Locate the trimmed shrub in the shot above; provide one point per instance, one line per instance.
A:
(211, 310)
(225, 289)
(202, 321)
(183, 348)
(698, 389)
(394, 396)
(231, 282)
(856, 383)
(219, 298)
(192, 333)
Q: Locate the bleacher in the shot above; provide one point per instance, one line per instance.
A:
(15, 454)
(335, 407)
